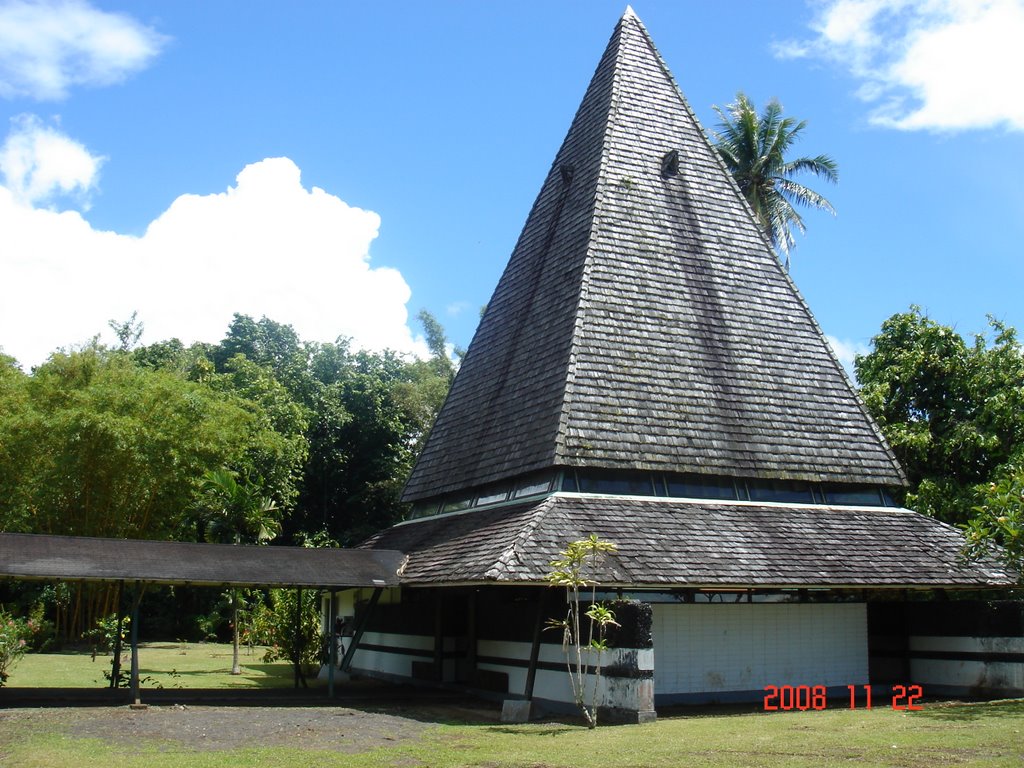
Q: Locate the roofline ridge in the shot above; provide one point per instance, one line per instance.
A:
(848, 382)
(525, 532)
(595, 213)
(767, 244)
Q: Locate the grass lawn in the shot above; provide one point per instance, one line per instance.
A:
(412, 733)
(987, 735)
(161, 665)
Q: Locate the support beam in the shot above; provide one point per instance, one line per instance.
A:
(136, 693)
(115, 667)
(438, 636)
(360, 627)
(297, 641)
(472, 637)
(538, 627)
(332, 651)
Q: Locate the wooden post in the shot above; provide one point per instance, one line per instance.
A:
(438, 636)
(136, 694)
(538, 627)
(471, 637)
(115, 667)
(297, 637)
(332, 653)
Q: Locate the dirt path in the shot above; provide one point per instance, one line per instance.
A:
(207, 728)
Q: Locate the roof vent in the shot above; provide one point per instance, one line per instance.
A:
(567, 171)
(670, 164)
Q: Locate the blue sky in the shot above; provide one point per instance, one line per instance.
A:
(339, 166)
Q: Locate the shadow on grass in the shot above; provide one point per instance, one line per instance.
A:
(547, 729)
(957, 711)
(274, 671)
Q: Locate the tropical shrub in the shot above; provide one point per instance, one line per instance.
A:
(15, 640)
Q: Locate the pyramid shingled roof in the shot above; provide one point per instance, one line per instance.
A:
(692, 543)
(644, 322)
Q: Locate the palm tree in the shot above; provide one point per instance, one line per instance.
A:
(235, 512)
(754, 149)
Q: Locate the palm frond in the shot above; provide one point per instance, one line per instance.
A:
(754, 149)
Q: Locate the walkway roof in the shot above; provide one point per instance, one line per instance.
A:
(78, 558)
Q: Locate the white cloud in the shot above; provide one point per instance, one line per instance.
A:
(40, 164)
(926, 64)
(846, 350)
(49, 46)
(267, 246)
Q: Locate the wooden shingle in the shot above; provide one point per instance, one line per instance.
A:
(643, 321)
(698, 544)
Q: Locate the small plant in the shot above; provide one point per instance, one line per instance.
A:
(572, 572)
(103, 636)
(273, 625)
(15, 640)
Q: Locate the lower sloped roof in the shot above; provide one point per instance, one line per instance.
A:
(682, 543)
(82, 558)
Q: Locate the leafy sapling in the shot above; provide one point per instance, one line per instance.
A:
(573, 571)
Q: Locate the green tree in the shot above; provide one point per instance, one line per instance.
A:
(128, 333)
(236, 513)
(755, 148)
(952, 411)
(999, 519)
(271, 345)
(370, 418)
(278, 446)
(16, 454)
(92, 444)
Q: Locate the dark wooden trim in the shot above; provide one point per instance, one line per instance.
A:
(360, 627)
(538, 628)
(471, 634)
(980, 656)
(438, 635)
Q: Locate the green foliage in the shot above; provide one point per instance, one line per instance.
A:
(94, 445)
(372, 414)
(273, 624)
(117, 442)
(104, 634)
(278, 446)
(15, 640)
(953, 412)
(1000, 520)
(573, 571)
(128, 333)
(236, 513)
(755, 148)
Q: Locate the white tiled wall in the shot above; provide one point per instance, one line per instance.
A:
(746, 646)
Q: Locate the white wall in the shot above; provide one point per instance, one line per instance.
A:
(553, 684)
(710, 648)
(944, 675)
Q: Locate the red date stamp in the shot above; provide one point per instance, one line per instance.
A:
(804, 697)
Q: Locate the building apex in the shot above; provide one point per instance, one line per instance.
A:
(643, 321)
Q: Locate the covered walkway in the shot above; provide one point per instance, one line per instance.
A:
(138, 563)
